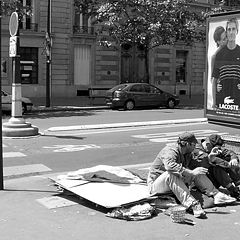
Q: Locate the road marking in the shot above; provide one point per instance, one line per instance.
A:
(71, 148)
(173, 136)
(24, 170)
(56, 202)
(13, 154)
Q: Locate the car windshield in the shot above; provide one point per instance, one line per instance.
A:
(119, 87)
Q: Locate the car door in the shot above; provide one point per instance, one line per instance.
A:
(155, 95)
(138, 94)
(6, 101)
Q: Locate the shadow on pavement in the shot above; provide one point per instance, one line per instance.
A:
(55, 114)
(64, 137)
(28, 190)
(82, 201)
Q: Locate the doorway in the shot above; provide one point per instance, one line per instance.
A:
(82, 61)
(133, 64)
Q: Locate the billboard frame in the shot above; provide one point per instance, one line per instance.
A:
(218, 115)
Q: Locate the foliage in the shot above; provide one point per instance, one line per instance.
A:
(144, 23)
(224, 6)
(9, 6)
(147, 22)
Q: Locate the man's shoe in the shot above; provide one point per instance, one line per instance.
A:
(221, 198)
(198, 212)
(234, 192)
(237, 183)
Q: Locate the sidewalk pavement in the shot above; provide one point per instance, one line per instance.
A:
(32, 208)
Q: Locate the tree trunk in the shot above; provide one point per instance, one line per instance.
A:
(146, 51)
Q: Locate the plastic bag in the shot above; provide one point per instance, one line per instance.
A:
(135, 213)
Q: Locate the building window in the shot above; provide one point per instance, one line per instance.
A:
(29, 65)
(82, 22)
(27, 22)
(181, 66)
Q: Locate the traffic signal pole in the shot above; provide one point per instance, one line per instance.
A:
(48, 56)
(1, 154)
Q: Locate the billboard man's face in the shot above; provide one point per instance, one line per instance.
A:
(231, 31)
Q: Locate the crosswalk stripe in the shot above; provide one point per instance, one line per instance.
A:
(25, 170)
(13, 154)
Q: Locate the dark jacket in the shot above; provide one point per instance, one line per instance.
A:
(200, 157)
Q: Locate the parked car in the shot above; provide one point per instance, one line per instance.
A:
(132, 95)
(7, 103)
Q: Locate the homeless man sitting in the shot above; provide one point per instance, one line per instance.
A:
(223, 169)
(170, 173)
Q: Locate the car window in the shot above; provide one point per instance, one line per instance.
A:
(153, 89)
(137, 88)
(147, 88)
(119, 87)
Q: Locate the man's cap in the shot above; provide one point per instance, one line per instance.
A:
(215, 139)
(188, 137)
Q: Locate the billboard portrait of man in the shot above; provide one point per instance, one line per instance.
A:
(225, 69)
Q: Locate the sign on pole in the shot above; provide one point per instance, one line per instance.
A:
(13, 46)
(13, 24)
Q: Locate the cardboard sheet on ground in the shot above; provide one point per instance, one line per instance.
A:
(105, 193)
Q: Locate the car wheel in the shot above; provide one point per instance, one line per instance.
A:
(171, 103)
(24, 108)
(129, 105)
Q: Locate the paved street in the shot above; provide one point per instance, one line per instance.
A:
(84, 148)
(60, 151)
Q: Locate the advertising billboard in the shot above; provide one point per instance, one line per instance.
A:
(222, 91)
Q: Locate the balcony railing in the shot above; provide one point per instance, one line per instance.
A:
(83, 30)
(28, 26)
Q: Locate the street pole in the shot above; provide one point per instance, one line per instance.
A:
(48, 56)
(16, 83)
(16, 126)
(1, 155)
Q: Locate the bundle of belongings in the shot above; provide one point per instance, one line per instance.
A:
(122, 192)
(135, 213)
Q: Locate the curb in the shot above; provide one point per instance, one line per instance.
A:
(120, 125)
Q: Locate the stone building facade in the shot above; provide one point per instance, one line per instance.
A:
(79, 62)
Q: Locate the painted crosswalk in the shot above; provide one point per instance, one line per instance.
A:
(21, 170)
(11, 154)
(165, 137)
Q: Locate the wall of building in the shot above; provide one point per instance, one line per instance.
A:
(105, 61)
(163, 65)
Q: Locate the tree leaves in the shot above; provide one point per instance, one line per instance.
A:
(8, 7)
(147, 22)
